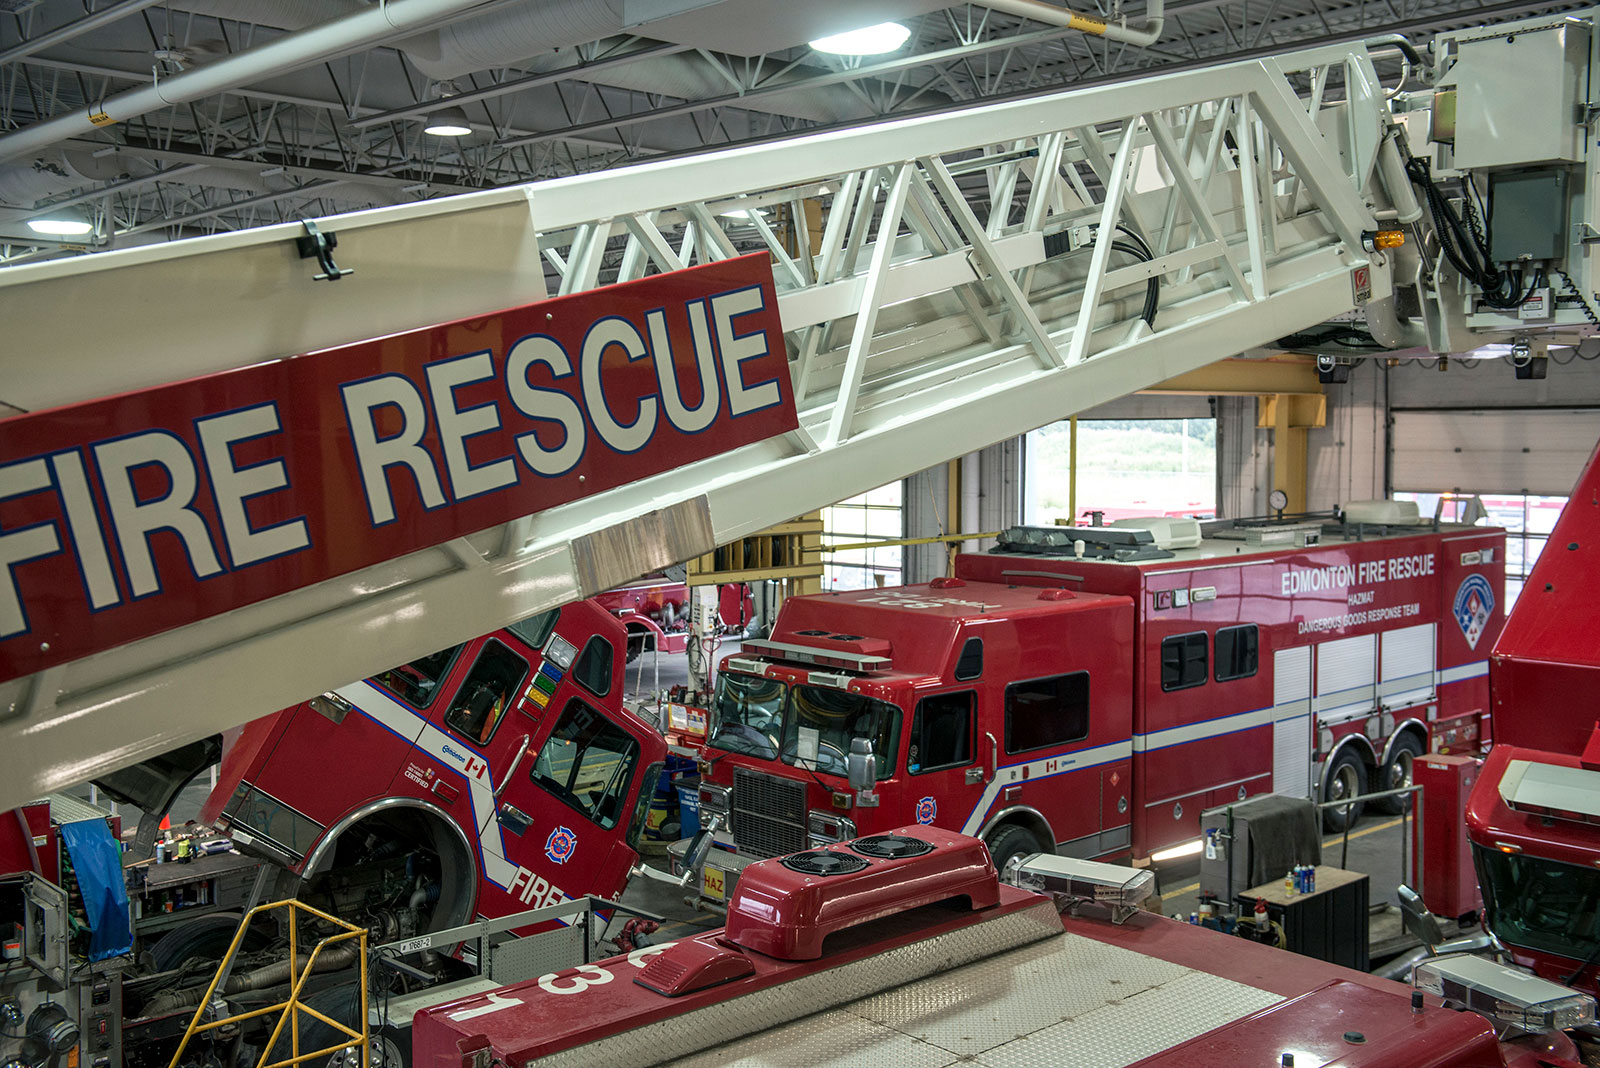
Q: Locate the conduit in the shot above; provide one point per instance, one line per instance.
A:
(325, 41)
(1144, 35)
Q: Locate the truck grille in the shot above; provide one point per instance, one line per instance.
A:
(769, 814)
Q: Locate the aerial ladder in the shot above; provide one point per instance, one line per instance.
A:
(943, 282)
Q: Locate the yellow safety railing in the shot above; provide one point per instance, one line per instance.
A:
(290, 1009)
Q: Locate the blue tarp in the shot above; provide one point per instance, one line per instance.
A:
(97, 861)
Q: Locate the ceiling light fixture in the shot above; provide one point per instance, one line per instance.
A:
(867, 41)
(448, 122)
(60, 227)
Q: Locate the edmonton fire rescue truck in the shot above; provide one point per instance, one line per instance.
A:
(904, 947)
(1092, 690)
(1533, 813)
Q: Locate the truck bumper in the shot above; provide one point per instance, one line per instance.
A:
(719, 876)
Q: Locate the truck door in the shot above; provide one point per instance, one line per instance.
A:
(339, 752)
(1051, 759)
(945, 778)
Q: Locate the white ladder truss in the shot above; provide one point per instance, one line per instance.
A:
(928, 323)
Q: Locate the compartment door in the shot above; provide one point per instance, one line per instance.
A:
(1291, 722)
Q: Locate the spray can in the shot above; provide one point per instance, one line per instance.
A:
(1291, 884)
(161, 852)
(1311, 879)
(1263, 921)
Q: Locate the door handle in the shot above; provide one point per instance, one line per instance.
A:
(522, 751)
(994, 755)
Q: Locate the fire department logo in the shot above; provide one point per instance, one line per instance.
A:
(1474, 605)
(560, 845)
(927, 809)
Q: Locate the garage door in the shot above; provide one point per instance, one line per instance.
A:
(1512, 450)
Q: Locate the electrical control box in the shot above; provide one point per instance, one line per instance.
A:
(1528, 215)
(1511, 88)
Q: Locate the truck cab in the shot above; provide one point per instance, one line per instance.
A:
(996, 711)
(485, 778)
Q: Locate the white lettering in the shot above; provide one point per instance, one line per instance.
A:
(20, 546)
(630, 437)
(491, 1003)
(94, 559)
(232, 486)
(135, 520)
(550, 405)
(725, 307)
(689, 420)
(456, 425)
(576, 981)
(376, 455)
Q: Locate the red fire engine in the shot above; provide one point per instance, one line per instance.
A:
(1533, 814)
(1092, 690)
(656, 612)
(501, 774)
(904, 947)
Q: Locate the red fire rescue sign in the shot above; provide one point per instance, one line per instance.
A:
(127, 516)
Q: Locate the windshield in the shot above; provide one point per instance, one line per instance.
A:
(809, 725)
(1540, 904)
(748, 711)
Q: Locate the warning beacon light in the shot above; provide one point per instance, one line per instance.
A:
(1510, 998)
(1074, 881)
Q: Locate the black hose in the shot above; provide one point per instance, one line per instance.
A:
(1464, 243)
(1059, 244)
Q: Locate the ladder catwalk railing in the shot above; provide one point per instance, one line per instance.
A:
(943, 282)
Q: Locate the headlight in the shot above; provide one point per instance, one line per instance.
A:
(825, 827)
(713, 799)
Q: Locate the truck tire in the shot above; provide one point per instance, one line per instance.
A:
(1347, 777)
(1009, 843)
(1397, 773)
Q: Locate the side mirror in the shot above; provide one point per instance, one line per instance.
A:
(862, 765)
(1421, 923)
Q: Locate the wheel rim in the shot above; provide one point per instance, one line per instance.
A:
(383, 1050)
(1401, 770)
(1343, 785)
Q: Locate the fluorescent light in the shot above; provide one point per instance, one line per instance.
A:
(60, 227)
(1187, 849)
(867, 41)
(448, 122)
(741, 213)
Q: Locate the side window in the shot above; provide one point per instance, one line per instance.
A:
(1238, 652)
(593, 669)
(941, 732)
(1183, 661)
(970, 666)
(483, 698)
(535, 629)
(587, 762)
(417, 681)
(1045, 712)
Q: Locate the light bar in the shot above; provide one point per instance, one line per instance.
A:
(1507, 997)
(1118, 888)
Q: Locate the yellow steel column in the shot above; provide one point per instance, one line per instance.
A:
(1289, 416)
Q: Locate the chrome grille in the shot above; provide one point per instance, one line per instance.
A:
(769, 814)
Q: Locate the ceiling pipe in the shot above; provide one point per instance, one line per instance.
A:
(1143, 36)
(338, 37)
(103, 17)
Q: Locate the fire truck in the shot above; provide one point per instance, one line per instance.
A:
(496, 775)
(656, 612)
(904, 947)
(1533, 813)
(1091, 690)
